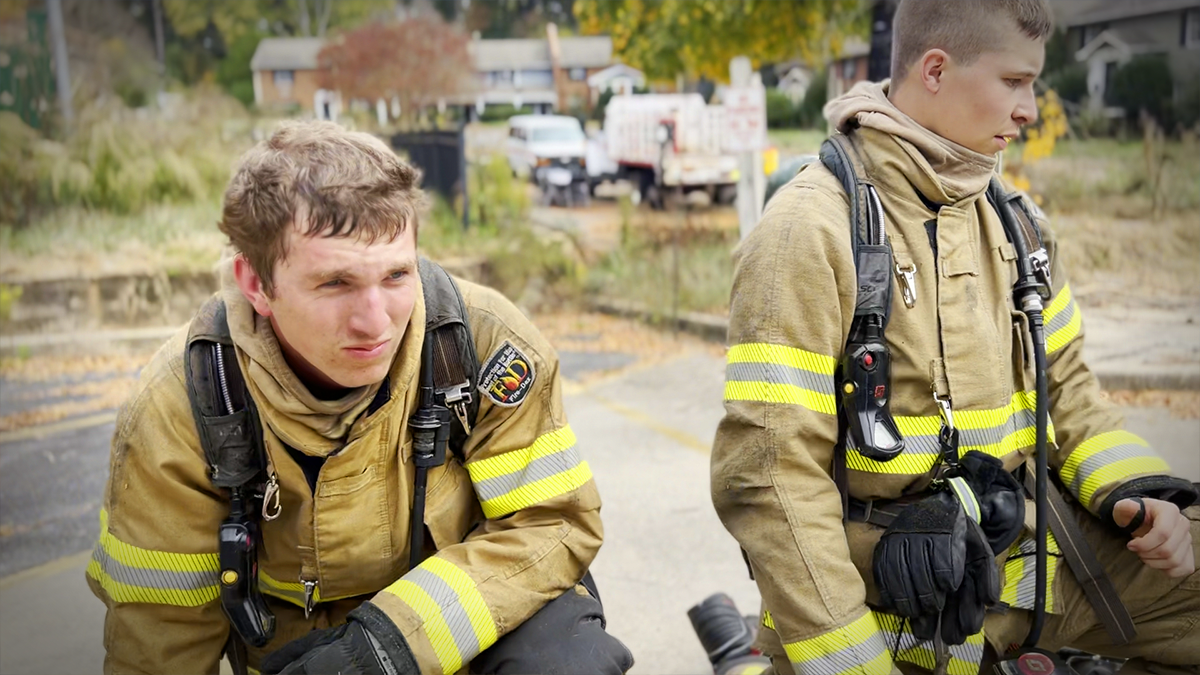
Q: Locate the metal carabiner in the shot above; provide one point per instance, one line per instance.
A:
(271, 508)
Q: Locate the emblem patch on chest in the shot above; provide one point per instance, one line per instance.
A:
(507, 376)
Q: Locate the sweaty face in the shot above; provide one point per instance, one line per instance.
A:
(341, 305)
(984, 105)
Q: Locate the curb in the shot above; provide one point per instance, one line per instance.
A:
(715, 329)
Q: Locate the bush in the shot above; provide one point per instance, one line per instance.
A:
(1070, 82)
(121, 160)
(781, 113)
(503, 111)
(1143, 84)
(810, 115)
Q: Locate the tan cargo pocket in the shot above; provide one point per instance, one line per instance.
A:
(1022, 353)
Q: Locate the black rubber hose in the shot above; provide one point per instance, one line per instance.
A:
(1041, 461)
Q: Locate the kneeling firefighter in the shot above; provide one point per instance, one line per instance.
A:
(934, 482)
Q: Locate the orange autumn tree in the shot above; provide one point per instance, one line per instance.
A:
(418, 61)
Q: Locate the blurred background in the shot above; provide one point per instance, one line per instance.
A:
(595, 160)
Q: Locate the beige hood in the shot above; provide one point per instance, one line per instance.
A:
(948, 173)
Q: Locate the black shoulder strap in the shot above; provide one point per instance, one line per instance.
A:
(871, 251)
(226, 419)
(455, 363)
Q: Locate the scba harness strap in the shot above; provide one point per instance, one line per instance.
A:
(864, 373)
(231, 435)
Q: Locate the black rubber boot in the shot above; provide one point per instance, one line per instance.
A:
(727, 636)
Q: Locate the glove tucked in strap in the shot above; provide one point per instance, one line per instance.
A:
(934, 563)
(367, 644)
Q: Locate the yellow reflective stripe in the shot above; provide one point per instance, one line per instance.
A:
(767, 621)
(128, 573)
(1106, 458)
(514, 480)
(292, 591)
(1062, 320)
(769, 373)
(857, 648)
(431, 617)
(762, 392)
(964, 658)
(996, 432)
(516, 460)
(762, 352)
(455, 617)
(1020, 578)
(966, 497)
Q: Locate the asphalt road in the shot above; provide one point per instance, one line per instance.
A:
(645, 432)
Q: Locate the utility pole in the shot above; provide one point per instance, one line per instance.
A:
(745, 112)
(62, 73)
(556, 66)
(160, 51)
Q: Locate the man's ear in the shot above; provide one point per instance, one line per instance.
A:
(251, 285)
(930, 69)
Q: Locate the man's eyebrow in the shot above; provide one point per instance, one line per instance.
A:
(329, 275)
(1027, 73)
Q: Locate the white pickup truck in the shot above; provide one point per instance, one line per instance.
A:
(666, 145)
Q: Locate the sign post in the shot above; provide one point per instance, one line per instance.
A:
(746, 134)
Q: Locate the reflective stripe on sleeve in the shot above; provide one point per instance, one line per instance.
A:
(128, 573)
(1105, 458)
(1063, 320)
(996, 432)
(455, 617)
(768, 373)
(857, 648)
(1020, 579)
(514, 480)
(964, 658)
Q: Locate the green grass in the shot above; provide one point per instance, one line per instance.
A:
(796, 141)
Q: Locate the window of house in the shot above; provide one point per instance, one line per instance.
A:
(577, 74)
(849, 68)
(1191, 28)
(1089, 33)
(284, 78)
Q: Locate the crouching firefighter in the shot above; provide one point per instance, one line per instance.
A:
(905, 376)
(320, 475)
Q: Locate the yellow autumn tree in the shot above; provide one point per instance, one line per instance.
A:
(697, 38)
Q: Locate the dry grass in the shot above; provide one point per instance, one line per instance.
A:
(1181, 404)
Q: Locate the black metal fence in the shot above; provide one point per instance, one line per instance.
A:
(439, 155)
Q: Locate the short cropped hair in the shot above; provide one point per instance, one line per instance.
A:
(964, 29)
(330, 181)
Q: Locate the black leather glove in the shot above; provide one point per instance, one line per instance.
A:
(367, 644)
(921, 558)
(1001, 498)
(980, 588)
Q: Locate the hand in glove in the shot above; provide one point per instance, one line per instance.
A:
(367, 644)
(921, 558)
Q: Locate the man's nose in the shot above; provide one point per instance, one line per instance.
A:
(370, 315)
(1027, 111)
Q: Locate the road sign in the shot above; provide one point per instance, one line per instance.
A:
(746, 119)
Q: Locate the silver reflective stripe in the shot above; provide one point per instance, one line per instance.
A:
(453, 613)
(778, 374)
(538, 469)
(153, 578)
(1062, 318)
(1105, 458)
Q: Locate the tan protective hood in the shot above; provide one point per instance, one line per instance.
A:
(946, 172)
(300, 419)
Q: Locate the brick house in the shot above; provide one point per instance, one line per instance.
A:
(519, 72)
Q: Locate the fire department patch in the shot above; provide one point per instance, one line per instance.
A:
(507, 376)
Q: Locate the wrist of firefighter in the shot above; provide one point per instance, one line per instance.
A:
(1178, 491)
